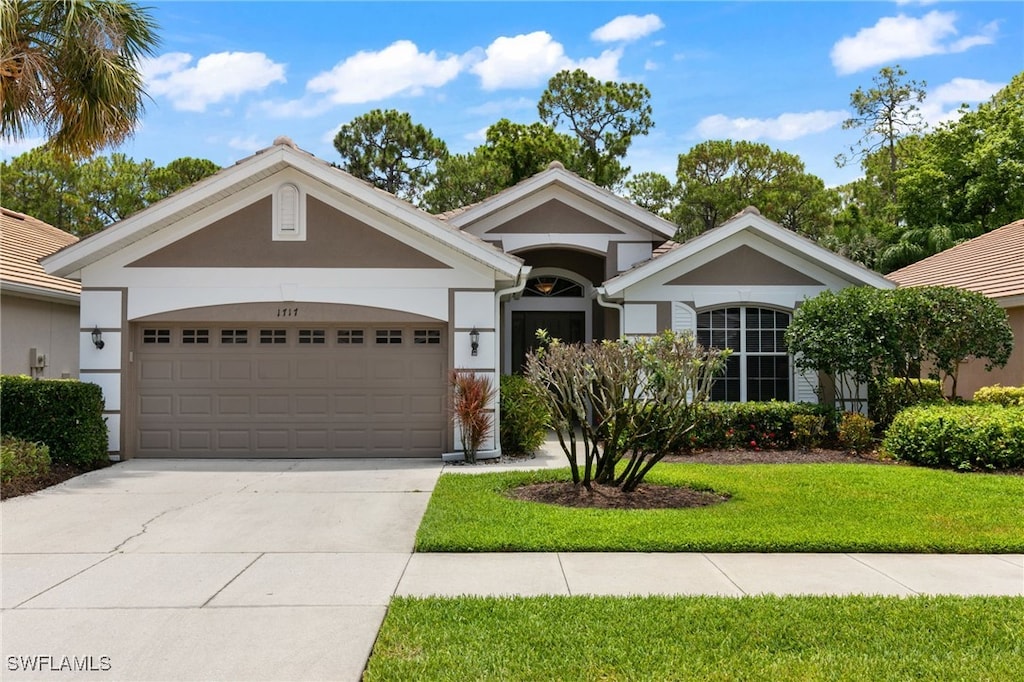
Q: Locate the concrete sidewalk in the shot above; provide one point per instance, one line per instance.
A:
(733, 575)
(283, 569)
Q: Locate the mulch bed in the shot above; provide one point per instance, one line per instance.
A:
(815, 456)
(646, 496)
(25, 485)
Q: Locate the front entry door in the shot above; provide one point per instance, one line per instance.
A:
(567, 326)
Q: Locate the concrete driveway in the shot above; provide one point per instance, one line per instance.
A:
(185, 570)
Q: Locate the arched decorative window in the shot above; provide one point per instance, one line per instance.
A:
(551, 286)
(289, 217)
(759, 367)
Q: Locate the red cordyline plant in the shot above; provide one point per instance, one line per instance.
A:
(630, 401)
(471, 395)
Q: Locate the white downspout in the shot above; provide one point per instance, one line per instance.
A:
(599, 294)
(517, 288)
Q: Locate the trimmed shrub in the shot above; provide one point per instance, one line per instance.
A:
(856, 432)
(960, 436)
(524, 416)
(809, 430)
(891, 395)
(1006, 396)
(65, 414)
(21, 458)
(755, 425)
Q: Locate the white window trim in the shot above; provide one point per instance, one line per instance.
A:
(744, 353)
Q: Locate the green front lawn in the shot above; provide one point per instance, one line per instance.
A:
(774, 508)
(701, 638)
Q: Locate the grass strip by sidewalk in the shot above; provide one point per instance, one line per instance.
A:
(701, 638)
(774, 508)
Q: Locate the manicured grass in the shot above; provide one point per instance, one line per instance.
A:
(774, 508)
(701, 638)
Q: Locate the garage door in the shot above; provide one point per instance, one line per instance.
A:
(251, 390)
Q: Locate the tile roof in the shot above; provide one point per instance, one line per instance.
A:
(992, 264)
(23, 242)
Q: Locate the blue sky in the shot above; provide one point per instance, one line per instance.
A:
(229, 77)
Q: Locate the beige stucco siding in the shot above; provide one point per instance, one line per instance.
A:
(49, 327)
(973, 375)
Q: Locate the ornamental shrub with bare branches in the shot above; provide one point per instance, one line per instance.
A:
(617, 400)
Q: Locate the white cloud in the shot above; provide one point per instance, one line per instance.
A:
(214, 78)
(943, 103)
(9, 148)
(650, 65)
(901, 37)
(529, 59)
(784, 127)
(502, 107)
(627, 28)
(399, 68)
(250, 144)
(476, 135)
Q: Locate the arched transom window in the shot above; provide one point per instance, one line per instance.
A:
(552, 287)
(758, 368)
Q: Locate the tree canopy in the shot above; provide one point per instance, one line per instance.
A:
(605, 117)
(389, 150)
(85, 197)
(72, 69)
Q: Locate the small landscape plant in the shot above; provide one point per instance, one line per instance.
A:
(856, 432)
(22, 459)
(472, 394)
(1000, 395)
(757, 425)
(808, 431)
(524, 415)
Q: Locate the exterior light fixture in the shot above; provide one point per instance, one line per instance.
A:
(474, 341)
(97, 338)
(545, 287)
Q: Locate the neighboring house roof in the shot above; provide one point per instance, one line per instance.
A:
(247, 172)
(749, 219)
(992, 264)
(24, 240)
(556, 174)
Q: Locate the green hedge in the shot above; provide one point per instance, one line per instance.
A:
(1000, 395)
(524, 416)
(962, 436)
(756, 425)
(889, 397)
(64, 414)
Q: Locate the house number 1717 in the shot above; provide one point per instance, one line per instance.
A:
(287, 312)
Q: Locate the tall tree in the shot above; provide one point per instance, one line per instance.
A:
(512, 153)
(389, 150)
(85, 197)
(72, 68)
(605, 117)
(653, 192)
(718, 178)
(885, 114)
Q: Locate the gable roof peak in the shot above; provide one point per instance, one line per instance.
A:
(749, 210)
(556, 165)
(285, 141)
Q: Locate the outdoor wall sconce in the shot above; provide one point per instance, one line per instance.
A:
(97, 338)
(474, 341)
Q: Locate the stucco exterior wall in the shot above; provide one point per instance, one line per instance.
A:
(48, 326)
(973, 375)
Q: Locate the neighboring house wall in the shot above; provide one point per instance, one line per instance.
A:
(993, 265)
(973, 375)
(47, 327)
(38, 311)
